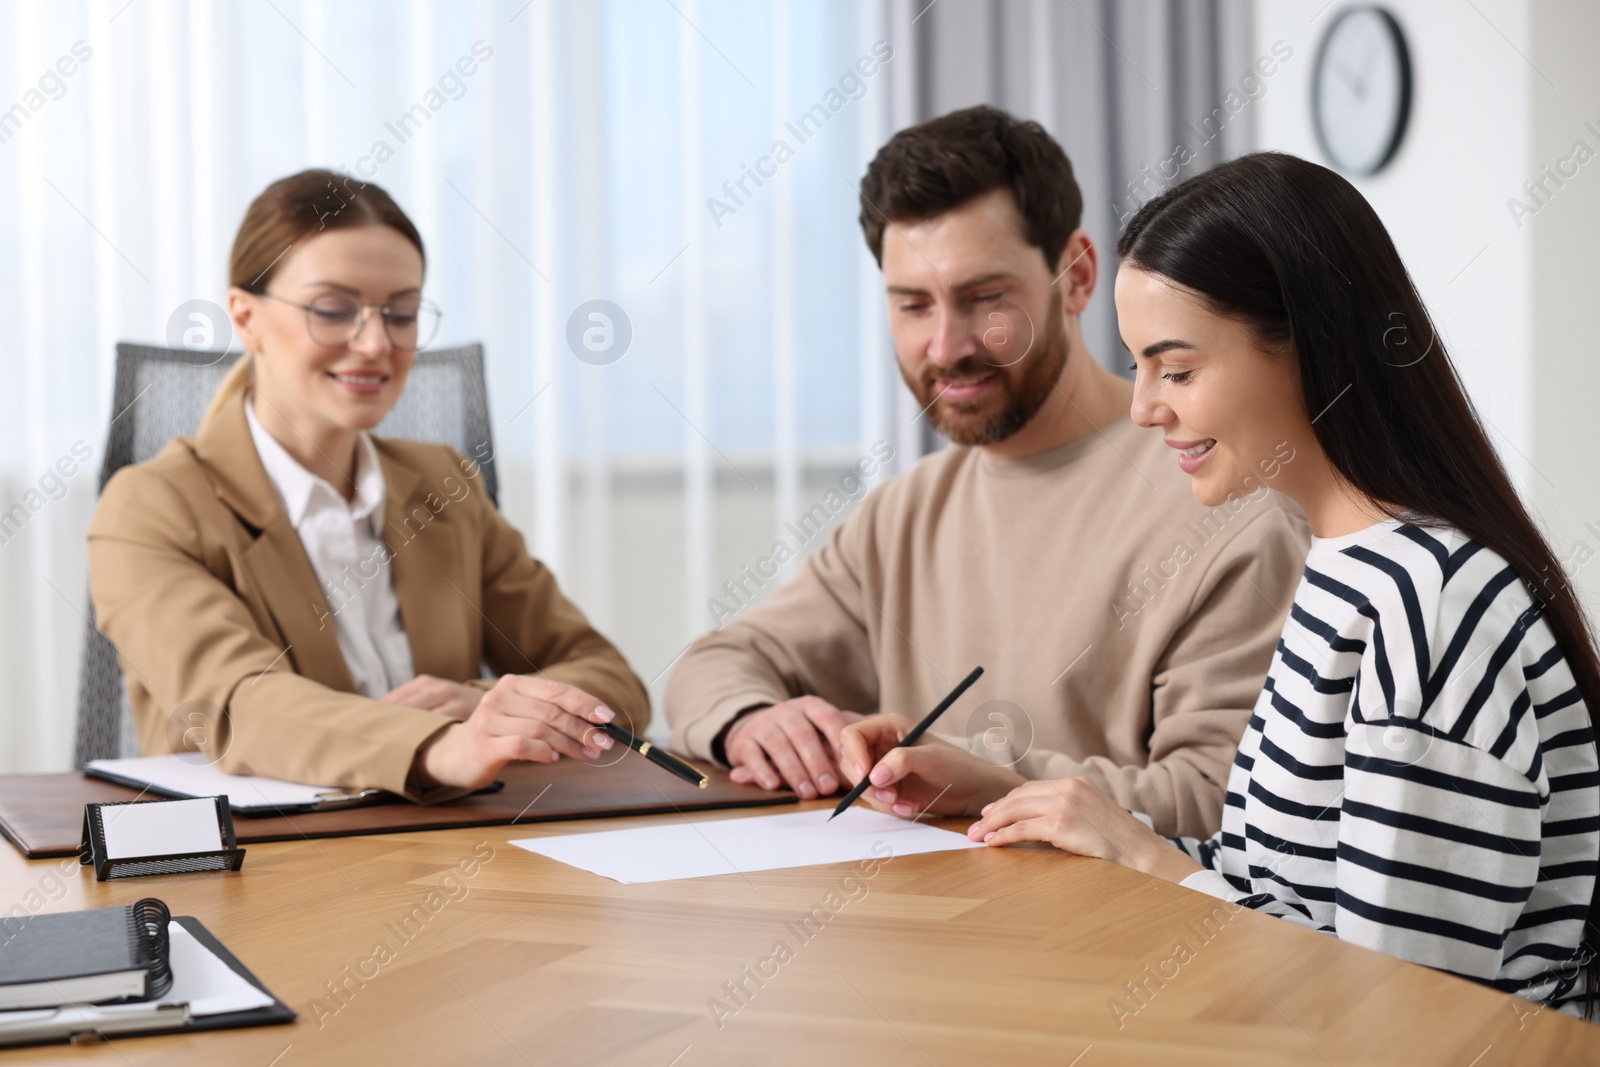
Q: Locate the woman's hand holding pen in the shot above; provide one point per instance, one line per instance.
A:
(930, 776)
(521, 718)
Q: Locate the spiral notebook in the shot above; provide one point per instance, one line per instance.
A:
(85, 957)
(207, 988)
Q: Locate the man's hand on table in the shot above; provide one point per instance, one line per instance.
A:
(795, 743)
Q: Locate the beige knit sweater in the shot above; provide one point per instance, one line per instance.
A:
(1125, 630)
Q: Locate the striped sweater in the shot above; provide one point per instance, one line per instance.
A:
(1419, 775)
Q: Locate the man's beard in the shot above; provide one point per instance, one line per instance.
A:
(1025, 384)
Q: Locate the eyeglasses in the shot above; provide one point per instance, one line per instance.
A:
(335, 321)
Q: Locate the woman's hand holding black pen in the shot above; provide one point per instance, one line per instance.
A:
(932, 775)
(884, 768)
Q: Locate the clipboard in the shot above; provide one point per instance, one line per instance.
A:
(42, 814)
(185, 775)
(174, 1019)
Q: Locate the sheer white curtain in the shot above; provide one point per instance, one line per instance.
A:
(553, 154)
(690, 165)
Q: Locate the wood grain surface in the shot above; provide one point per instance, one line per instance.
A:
(454, 947)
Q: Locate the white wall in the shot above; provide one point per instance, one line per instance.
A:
(1565, 239)
(1499, 88)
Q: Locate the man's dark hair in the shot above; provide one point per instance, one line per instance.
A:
(927, 170)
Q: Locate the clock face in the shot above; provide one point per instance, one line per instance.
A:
(1361, 90)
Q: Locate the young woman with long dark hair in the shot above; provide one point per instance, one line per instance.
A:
(1420, 773)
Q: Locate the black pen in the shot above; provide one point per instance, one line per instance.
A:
(665, 760)
(910, 739)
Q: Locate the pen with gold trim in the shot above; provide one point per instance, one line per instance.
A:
(661, 758)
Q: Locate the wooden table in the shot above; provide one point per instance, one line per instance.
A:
(1002, 956)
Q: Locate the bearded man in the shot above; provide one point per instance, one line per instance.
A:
(1125, 630)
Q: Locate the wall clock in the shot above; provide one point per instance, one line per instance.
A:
(1361, 90)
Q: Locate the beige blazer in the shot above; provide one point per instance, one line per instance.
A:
(226, 638)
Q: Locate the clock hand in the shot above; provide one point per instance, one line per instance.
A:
(1366, 69)
(1355, 85)
(1366, 60)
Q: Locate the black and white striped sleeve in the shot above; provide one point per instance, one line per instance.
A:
(1435, 859)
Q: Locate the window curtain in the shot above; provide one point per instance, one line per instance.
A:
(645, 209)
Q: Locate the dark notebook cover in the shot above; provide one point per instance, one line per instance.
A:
(77, 944)
(276, 1012)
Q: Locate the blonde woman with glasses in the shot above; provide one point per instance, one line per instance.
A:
(297, 598)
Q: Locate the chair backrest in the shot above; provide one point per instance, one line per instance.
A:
(162, 393)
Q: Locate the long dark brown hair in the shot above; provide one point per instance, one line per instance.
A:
(1294, 250)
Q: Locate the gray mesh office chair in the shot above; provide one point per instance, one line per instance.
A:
(161, 393)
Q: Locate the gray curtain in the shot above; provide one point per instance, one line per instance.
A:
(1131, 88)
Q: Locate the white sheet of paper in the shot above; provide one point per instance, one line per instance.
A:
(189, 773)
(681, 849)
(200, 977)
(163, 828)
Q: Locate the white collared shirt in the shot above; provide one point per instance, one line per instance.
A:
(344, 541)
